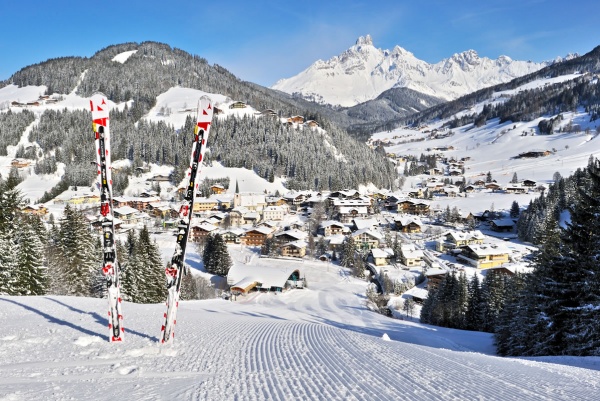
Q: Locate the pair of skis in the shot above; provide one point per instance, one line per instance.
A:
(174, 272)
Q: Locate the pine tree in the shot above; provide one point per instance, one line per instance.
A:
(561, 299)
(475, 306)
(76, 253)
(347, 251)
(216, 256)
(30, 274)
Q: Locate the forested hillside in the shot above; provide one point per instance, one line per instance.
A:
(268, 147)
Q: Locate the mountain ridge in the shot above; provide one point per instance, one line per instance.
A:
(363, 72)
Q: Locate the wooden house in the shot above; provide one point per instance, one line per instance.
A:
(256, 236)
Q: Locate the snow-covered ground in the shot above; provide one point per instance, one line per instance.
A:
(319, 343)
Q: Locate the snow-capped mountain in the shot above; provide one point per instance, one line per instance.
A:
(363, 72)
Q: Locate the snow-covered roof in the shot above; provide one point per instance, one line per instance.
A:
(241, 275)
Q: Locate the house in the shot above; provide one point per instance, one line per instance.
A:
(413, 207)
(331, 227)
(381, 257)
(361, 223)
(252, 202)
(367, 238)
(347, 214)
(335, 242)
(127, 215)
(232, 235)
(502, 225)
(434, 278)
(237, 105)
(273, 213)
(200, 231)
(217, 189)
(410, 255)
(312, 124)
(39, 210)
(516, 189)
(236, 216)
(256, 236)
(205, 204)
(494, 187)
(20, 163)
(243, 278)
(455, 239)
(296, 120)
(295, 249)
(275, 201)
(286, 236)
(529, 183)
(408, 224)
(484, 256)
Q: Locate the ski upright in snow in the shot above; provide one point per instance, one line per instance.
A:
(110, 266)
(175, 269)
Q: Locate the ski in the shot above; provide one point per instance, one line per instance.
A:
(175, 269)
(110, 266)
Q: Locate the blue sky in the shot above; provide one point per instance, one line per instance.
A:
(265, 40)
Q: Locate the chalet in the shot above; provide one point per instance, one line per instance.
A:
(256, 236)
(413, 207)
(295, 249)
(529, 183)
(516, 189)
(434, 278)
(39, 210)
(237, 105)
(127, 215)
(454, 239)
(331, 227)
(159, 178)
(410, 255)
(360, 223)
(217, 111)
(381, 257)
(217, 189)
(20, 163)
(502, 225)
(367, 239)
(494, 187)
(268, 113)
(159, 209)
(335, 242)
(236, 216)
(350, 202)
(312, 124)
(199, 232)
(479, 183)
(347, 194)
(243, 279)
(232, 235)
(347, 214)
(408, 224)
(484, 256)
(295, 199)
(275, 201)
(287, 236)
(296, 120)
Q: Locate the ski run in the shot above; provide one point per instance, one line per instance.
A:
(317, 343)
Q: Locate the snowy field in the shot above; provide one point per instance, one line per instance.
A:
(319, 343)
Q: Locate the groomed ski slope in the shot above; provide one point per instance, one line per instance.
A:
(319, 343)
